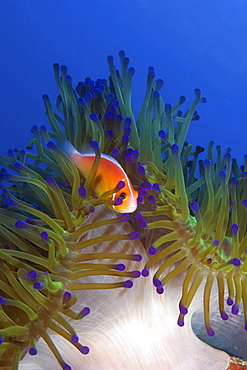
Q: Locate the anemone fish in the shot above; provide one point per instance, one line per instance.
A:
(109, 176)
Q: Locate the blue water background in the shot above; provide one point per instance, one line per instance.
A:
(191, 44)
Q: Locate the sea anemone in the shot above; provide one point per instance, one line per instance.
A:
(43, 216)
(57, 238)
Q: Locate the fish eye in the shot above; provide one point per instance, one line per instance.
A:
(123, 196)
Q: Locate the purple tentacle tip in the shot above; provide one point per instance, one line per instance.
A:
(216, 243)
(175, 149)
(207, 163)
(136, 274)
(143, 224)
(147, 185)
(152, 251)
(116, 153)
(120, 267)
(50, 181)
(224, 316)
(32, 351)
(139, 199)
(210, 332)
(152, 199)
(20, 224)
(10, 202)
(82, 191)
(222, 175)
(180, 322)
(138, 216)
(124, 217)
(236, 262)
(194, 207)
(19, 166)
(141, 171)
(160, 290)
(128, 158)
(66, 366)
(156, 95)
(118, 202)
(32, 274)
(162, 134)
(125, 139)
(135, 155)
(120, 185)
(84, 350)
(66, 297)
(156, 187)
(45, 236)
(82, 102)
(85, 311)
(37, 285)
(134, 235)
(235, 228)
(138, 257)
(94, 145)
(74, 339)
(109, 135)
(235, 309)
(197, 92)
(128, 284)
(51, 145)
(94, 117)
(128, 121)
(244, 202)
(142, 192)
(127, 130)
(230, 301)
(145, 272)
(157, 282)
(183, 310)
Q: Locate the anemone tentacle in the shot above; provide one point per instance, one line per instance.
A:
(42, 224)
(46, 207)
(204, 235)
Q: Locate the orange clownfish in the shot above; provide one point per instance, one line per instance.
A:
(108, 175)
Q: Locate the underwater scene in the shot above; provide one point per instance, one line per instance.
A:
(123, 180)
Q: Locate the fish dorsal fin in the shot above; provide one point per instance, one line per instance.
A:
(65, 145)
